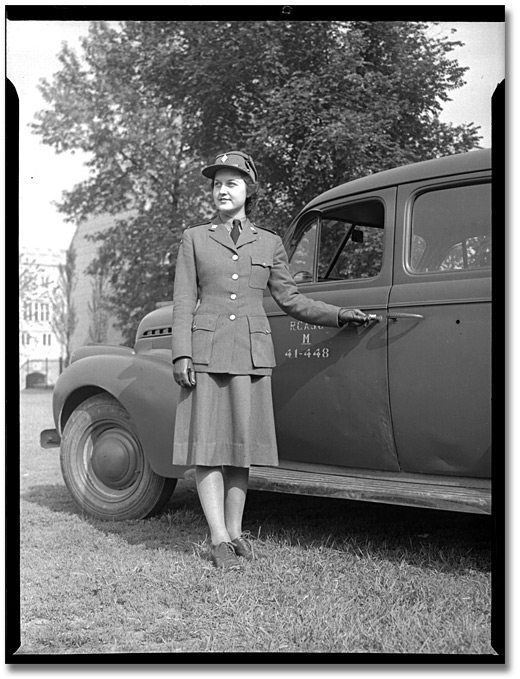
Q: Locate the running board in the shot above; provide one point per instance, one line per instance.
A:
(407, 492)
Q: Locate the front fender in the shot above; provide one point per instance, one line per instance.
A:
(142, 383)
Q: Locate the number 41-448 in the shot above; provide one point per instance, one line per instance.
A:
(308, 353)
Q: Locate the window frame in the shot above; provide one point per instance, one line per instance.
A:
(301, 225)
(320, 214)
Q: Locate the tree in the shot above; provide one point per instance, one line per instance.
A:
(63, 316)
(28, 272)
(138, 160)
(316, 103)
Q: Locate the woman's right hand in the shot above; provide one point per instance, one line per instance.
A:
(183, 372)
(352, 316)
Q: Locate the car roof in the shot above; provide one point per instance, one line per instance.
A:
(472, 161)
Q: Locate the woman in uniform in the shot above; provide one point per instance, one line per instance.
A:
(223, 353)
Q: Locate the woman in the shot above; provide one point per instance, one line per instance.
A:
(223, 353)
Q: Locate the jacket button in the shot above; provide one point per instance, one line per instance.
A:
(232, 317)
(234, 276)
(233, 296)
(235, 257)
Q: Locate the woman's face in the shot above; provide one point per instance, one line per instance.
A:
(229, 191)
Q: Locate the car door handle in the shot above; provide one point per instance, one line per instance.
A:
(376, 318)
(396, 315)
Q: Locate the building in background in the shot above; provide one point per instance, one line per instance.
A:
(40, 349)
(43, 349)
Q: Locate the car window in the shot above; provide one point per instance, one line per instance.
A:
(451, 230)
(349, 251)
(472, 253)
(418, 249)
(350, 244)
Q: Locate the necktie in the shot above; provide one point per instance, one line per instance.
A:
(235, 231)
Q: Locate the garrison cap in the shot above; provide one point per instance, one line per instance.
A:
(237, 159)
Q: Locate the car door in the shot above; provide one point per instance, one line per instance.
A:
(439, 342)
(330, 386)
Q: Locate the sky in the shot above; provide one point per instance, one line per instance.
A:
(31, 54)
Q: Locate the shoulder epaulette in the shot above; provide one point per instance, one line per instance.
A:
(191, 226)
(263, 228)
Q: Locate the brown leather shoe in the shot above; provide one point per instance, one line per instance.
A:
(243, 548)
(224, 556)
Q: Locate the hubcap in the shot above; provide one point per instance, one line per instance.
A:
(116, 458)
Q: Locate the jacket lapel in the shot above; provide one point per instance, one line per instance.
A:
(247, 236)
(218, 232)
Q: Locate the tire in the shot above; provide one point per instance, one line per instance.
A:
(104, 466)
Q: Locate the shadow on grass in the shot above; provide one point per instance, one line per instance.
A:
(177, 528)
(51, 496)
(57, 498)
(452, 542)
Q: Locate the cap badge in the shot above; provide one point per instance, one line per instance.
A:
(224, 158)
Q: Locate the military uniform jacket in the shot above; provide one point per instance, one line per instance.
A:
(218, 316)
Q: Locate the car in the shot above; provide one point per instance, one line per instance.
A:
(396, 411)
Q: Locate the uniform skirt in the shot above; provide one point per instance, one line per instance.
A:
(226, 420)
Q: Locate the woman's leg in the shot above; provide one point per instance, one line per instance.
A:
(210, 487)
(235, 491)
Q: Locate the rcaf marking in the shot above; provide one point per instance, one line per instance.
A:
(300, 325)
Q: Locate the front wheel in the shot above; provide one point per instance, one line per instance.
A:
(104, 466)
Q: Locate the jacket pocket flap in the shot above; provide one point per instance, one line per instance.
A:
(204, 322)
(262, 260)
(259, 324)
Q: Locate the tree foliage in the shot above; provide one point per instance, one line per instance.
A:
(316, 103)
(28, 272)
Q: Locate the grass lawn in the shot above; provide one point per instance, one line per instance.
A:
(330, 575)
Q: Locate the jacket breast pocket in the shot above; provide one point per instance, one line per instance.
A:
(260, 270)
(262, 349)
(202, 333)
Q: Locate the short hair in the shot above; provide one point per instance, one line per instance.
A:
(252, 198)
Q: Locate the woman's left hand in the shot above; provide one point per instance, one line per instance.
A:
(183, 372)
(352, 316)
